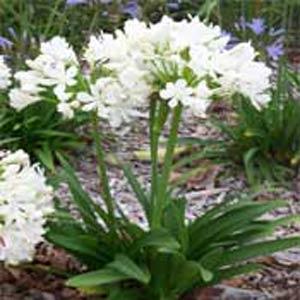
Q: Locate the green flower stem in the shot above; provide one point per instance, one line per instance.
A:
(158, 116)
(154, 137)
(105, 189)
(160, 200)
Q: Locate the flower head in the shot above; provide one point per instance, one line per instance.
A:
(174, 59)
(177, 92)
(186, 62)
(5, 43)
(173, 5)
(75, 2)
(55, 69)
(257, 25)
(25, 202)
(275, 50)
(131, 8)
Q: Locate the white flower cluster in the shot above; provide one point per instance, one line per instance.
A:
(56, 67)
(238, 72)
(25, 201)
(5, 74)
(119, 96)
(185, 62)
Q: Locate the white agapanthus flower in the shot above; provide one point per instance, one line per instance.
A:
(184, 62)
(111, 99)
(25, 202)
(55, 69)
(21, 98)
(238, 73)
(178, 92)
(192, 53)
(197, 99)
(5, 74)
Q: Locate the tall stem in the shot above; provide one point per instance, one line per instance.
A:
(154, 137)
(101, 168)
(164, 179)
(158, 116)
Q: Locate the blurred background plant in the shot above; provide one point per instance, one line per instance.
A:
(40, 131)
(265, 142)
(24, 23)
(269, 42)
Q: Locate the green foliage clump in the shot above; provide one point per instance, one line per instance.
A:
(265, 142)
(164, 262)
(40, 131)
(171, 255)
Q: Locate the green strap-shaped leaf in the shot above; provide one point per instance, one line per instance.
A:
(258, 249)
(285, 220)
(137, 188)
(85, 204)
(55, 133)
(129, 268)
(118, 293)
(226, 224)
(45, 155)
(206, 275)
(248, 162)
(160, 239)
(263, 228)
(239, 270)
(174, 221)
(83, 246)
(104, 276)
(219, 209)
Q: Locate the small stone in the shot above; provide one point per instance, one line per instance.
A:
(230, 293)
(7, 290)
(39, 295)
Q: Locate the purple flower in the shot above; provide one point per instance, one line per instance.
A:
(275, 50)
(75, 2)
(257, 26)
(131, 8)
(5, 43)
(173, 5)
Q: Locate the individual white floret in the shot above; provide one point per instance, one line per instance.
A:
(178, 92)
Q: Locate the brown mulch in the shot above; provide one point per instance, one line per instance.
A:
(42, 280)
